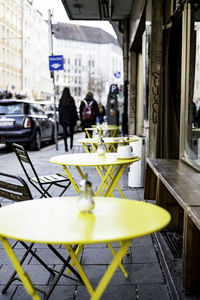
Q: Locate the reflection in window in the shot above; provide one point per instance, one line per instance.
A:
(192, 142)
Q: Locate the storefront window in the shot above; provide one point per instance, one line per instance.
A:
(192, 109)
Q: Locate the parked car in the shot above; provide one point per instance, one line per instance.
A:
(25, 122)
(49, 110)
(48, 107)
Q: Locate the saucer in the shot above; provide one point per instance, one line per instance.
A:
(130, 157)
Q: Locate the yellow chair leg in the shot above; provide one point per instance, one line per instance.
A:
(22, 274)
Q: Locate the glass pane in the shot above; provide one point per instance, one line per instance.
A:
(192, 146)
(10, 108)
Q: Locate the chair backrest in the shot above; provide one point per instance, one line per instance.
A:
(14, 188)
(25, 161)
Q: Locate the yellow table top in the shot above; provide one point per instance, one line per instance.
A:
(108, 140)
(58, 221)
(91, 159)
(106, 126)
(103, 127)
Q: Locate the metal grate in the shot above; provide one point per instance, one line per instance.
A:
(174, 240)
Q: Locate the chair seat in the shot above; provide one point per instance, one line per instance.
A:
(53, 178)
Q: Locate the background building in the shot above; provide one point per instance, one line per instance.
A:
(92, 57)
(11, 44)
(36, 76)
(24, 50)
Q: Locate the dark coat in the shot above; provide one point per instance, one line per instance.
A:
(95, 112)
(68, 113)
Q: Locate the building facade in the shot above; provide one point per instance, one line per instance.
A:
(92, 57)
(37, 82)
(11, 16)
(24, 50)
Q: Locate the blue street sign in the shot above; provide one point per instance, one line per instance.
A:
(56, 62)
(117, 74)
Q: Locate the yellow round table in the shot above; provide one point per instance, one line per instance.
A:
(58, 221)
(113, 129)
(108, 166)
(111, 143)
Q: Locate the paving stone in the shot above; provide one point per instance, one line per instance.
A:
(37, 273)
(139, 273)
(131, 194)
(9, 293)
(63, 293)
(111, 292)
(21, 294)
(145, 241)
(4, 259)
(141, 193)
(64, 280)
(153, 291)
(5, 273)
(97, 256)
(144, 255)
(48, 256)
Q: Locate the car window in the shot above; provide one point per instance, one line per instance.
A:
(11, 108)
(36, 109)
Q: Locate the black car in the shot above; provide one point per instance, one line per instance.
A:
(24, 122)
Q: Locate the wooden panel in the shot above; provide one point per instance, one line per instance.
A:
(185, 188)
(191, 253)
(150, 183)
(166, 200)
(154, 166)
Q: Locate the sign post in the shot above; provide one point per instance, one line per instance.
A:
(55, 64)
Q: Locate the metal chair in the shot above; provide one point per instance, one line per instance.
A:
(41, 183)
(16, 189)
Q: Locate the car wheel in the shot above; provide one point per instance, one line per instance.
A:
(36, 142)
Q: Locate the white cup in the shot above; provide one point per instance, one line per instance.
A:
(124, 151)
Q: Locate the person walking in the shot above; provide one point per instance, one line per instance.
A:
(88, 111)
(102, 112)
(67, 116)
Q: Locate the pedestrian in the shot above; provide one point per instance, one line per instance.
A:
(88, 111)
(67, 116)
(102, 112)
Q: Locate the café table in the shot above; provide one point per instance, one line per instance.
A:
(111, 143)
(112, 129)
(108, 166)
(60, 222)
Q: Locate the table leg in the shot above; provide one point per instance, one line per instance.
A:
(120, 264)
(86, 148)
(87, 132)
(105, 177)
(111, 270)
(103, 182)
(71, 179)
(111, 177)
(80, 270)
(77, 253)
(115, 180)
(95, 295)
(22, 274)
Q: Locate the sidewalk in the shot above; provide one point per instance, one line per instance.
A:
(146, 277)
